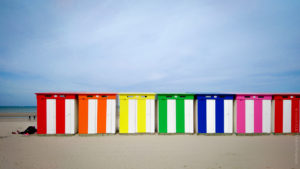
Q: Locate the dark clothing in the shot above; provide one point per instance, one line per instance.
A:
(29, 130)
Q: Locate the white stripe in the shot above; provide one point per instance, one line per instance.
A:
(171, 115)
(92, 116)
(132, 116)
(152, 129)
(210, 116)
(287, 116)
(110, 116)
(189, 116)
(150, 116)
(70, 116)
(51, 116)
(266, 115)
(228, 116)
(249, 113)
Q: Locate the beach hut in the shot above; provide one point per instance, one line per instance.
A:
(253, 113)
(175, 113)
(56, 113)
(97, 113)
(214, 113)
(137, 112)
(286, 113)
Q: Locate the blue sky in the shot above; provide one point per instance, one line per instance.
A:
(147, 46)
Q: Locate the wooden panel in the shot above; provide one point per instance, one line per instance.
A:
(124, 116)
(258, 116)
(171, 115)
(150, 116)
(132, 116)
(70, 116)
(180, 116)
(240, 116)
(41, 115)
(249, 116)
(101, 115)
(211, 116)
(110, 116)
(163, 117)
(92, 116)
(278, 116)
(266, 120)
(51, 116)
(228, 116)
(287, 112)
(83, 116)
(189, 116)
(141, 116)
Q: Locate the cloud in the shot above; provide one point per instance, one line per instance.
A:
(148, 46)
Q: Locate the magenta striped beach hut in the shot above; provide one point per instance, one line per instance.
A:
(253, 113)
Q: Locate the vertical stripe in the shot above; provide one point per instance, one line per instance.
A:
(75, 116)
(141, 116)
(123, 116)
(132, 116)
(219, 115)
(258, 116)
(287, 116)
(228, 116)
(180, 116)
(189, 116)
(152, 121)
(211, 115)
(83, 116)
(240, 117)
(70, 116)
(111, 116)
(60, 116)
(278, 116)
(249, 114)
(266, 120)
(41, 116)
(92, 116)
(51, 116)
(101, 116)
(163, 118)
(171, 115)
(295, 116)
(201, 116)
(109, 113)
(150, 116)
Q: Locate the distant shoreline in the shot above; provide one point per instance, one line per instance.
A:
(12, 115)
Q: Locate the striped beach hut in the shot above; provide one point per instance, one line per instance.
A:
(97, 113)
(215, 113)
(175, 113)
(137, 112)
(286, 113)
(253, 113)
(56, 113)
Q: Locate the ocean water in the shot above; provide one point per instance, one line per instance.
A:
(17, 109)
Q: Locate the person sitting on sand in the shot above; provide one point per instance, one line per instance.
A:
(29, 130)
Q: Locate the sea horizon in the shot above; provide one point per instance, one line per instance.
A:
(17, 109)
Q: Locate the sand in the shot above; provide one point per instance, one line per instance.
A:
(145, 151)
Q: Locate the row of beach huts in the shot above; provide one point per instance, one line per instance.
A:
(166, 113)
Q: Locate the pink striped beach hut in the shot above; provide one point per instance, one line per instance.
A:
(253, 113)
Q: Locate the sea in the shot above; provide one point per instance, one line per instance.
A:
(17, 109)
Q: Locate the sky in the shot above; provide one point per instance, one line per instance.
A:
(147, 46)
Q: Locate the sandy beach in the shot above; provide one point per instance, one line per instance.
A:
(144, 151)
